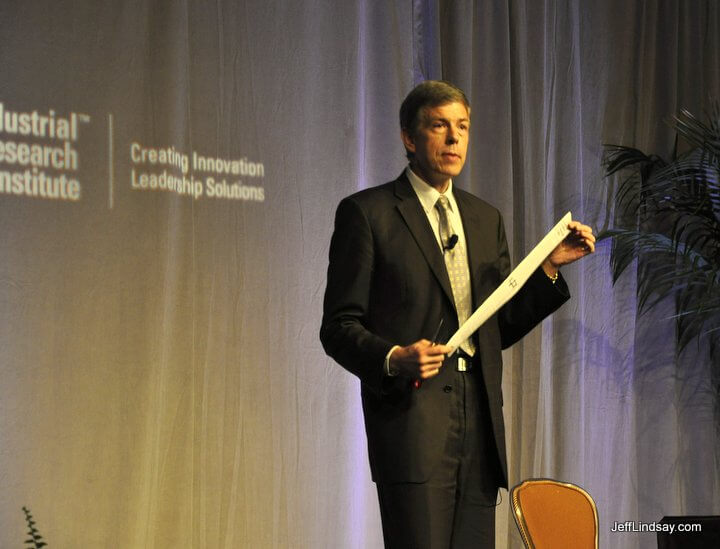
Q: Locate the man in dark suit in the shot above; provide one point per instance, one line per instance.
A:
(409, 261)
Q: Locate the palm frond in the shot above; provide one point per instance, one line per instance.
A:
(667, 223)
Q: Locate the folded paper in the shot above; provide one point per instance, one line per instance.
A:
(512, 284)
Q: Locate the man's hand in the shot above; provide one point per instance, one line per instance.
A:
(579, 243)
(420, 360)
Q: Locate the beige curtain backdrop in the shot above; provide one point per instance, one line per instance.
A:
(161, 380)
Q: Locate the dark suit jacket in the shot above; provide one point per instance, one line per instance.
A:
(387, 284)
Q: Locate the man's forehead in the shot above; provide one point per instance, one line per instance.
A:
(454, 110)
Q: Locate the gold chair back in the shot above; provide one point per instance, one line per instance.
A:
(552, 514)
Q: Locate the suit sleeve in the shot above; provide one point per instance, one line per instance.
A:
(537, 299)
(345, 333)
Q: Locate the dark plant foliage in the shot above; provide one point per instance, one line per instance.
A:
(667, 218)
(35, 540)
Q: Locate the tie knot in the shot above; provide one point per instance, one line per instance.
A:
(443, 203)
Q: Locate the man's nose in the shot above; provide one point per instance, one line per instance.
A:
(452, 136)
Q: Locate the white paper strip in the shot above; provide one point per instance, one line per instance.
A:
(512, 284)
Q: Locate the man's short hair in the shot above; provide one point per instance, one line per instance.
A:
(431, 93)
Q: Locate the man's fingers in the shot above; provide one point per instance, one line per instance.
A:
(425, 351)
(439, 350)
(431, 368)
(427, 374)
(422, 359)
(423, 345)
(434, 365)
(583, 231)
(582, 235)
(428, 362)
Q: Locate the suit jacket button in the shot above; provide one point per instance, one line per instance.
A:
(447, 388)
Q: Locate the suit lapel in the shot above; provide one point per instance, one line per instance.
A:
(412, 212)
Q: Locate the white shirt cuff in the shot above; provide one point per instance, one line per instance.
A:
(387, 361)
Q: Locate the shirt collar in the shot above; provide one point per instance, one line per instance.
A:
(427, 194)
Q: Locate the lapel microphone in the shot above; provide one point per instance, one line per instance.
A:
(451, 242)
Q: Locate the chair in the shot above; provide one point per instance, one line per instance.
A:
(553, 514)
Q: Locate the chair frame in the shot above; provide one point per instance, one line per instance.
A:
(518, 513)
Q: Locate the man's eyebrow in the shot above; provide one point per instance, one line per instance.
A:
(443, 119)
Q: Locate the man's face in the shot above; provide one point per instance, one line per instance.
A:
(439, 143)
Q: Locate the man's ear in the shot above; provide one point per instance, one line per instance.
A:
(408, 140)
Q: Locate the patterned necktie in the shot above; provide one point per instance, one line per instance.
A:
(457, 269)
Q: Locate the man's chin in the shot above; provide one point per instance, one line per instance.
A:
(452, 171)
